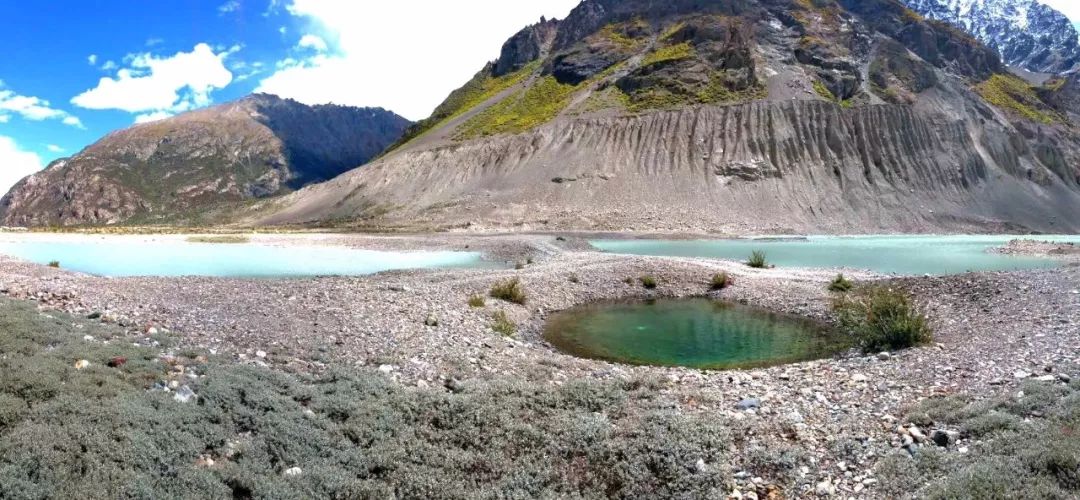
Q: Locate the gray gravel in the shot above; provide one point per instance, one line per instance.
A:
(841, 415)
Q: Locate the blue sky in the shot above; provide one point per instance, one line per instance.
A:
(82, 69)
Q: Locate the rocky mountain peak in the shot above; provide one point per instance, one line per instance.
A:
(1027, 33)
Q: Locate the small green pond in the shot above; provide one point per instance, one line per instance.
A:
(697, 333)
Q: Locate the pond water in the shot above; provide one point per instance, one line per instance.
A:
(906, 255)
(697, 333)
(118, 257)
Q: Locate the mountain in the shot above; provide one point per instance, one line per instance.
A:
(194, 167)
(1027, 33)
(812, 116)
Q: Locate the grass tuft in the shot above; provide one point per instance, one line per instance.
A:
(510, 291)
(477, 301)
(649, 282)
(757, 260)
(503, 325)
(54, 264)
(721, 281)
(841, 284)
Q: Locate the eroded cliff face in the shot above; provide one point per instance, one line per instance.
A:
(195, 167)
(767, 166)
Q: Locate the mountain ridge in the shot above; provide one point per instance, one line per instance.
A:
(185, 168)
(593, 135)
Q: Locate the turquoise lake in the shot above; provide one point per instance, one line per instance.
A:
(905, 255)
(698, 333)
(120, 258)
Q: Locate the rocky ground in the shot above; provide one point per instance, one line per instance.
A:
(808, 429)
(1061, 251)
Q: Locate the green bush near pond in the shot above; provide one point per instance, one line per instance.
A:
(757, 260)
(99, 432)
(881, 318)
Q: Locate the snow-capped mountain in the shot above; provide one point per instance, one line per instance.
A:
(1027, 33)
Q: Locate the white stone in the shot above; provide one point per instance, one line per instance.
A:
(294, 471)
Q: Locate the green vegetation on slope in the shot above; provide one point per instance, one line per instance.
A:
(662, 98)
(669, 53)
(482, 87)
(104, 431)
(617, 33)
(534, 106)
(1013, 94)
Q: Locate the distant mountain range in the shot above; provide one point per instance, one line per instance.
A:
(195, 167)
(1027, 33)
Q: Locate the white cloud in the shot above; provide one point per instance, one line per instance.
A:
(312, 42)
(15, 163)
(1071, 8)
(230, 6)
(109, 65)
(153, 84)
(152, 117)
(32, 108)
(5, 118)
(92, 59)
(153, 42)
(54, 148)
(375, 58)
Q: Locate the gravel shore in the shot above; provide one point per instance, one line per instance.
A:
(837, 417)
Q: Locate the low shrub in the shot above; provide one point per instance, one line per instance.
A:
(841, 284)
(477, 301)
(510, 291)
(503, 325)
(881, 318)
(721, 281)
(648, 282)
(54, 263)
(757, 260)
(1027, 447)
(105, 432)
